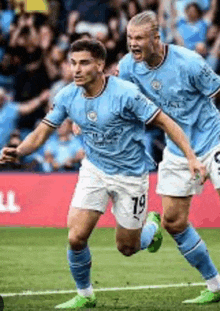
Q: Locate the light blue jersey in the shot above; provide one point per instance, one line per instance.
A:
(182, 86)
(112, 125)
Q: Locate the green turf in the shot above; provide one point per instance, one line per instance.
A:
(35, 259)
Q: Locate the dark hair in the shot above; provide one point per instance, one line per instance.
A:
(196, 6)
(95, 47)
(125, 7)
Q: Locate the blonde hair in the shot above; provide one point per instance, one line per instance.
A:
(143, 18)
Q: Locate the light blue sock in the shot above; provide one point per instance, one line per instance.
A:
(80, 265)
(147, 234)
(193, 248)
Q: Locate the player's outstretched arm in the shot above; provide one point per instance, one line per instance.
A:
(179, 138)
(31, 143)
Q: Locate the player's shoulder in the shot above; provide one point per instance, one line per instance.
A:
(184, 54)
(68, 92)
(127, 60)
(121, 86)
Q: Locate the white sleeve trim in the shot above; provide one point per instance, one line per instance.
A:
(213, 94)
(153, 116)
(51, 124)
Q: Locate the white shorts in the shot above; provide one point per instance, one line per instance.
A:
(128, 194)
(175, 179)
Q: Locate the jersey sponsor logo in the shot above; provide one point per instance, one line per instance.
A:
(104, 138)
(92, 116)
(217, 157)
(156, 85)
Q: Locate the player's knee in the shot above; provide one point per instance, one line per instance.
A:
(126, 250)
(76, 241)
(174, 225)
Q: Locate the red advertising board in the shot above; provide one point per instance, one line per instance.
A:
(42, 200)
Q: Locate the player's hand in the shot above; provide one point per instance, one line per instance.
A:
(9, 155)
(197, 169)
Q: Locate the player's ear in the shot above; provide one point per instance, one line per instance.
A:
(101, 65)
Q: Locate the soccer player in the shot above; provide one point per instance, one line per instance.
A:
(112, 114)
(181, 83)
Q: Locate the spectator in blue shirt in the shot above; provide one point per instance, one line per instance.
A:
(10, 112)
(64, 153)
(193, 28)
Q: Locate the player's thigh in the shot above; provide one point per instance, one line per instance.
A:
(81, 223)
(175, 212)
(88, 203)
(91, 191)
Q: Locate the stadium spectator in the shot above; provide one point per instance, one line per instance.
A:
(7, 16)
(212, 34)
(131, 8)
(30, 81)
(64, 153)
(10, 113)
(213, 56)
(31, 163)
(46, 37)
(193, 29)
(66, 78)
(180, 5)
(52, 61)
(150, 5)
(112, 114)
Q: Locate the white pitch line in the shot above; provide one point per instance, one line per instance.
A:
(112, 289)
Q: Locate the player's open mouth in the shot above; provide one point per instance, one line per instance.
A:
(136, 53)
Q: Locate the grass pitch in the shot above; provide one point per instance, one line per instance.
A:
(34, 259)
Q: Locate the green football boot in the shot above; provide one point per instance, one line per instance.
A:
(158, 236)
(79, 302)
(206, 297)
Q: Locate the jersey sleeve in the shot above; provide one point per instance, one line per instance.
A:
(203, 77)
(57, 114)
(137, 106)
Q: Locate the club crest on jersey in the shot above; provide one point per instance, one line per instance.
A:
(92, 116)
(156, 85)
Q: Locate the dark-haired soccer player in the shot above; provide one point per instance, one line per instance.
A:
(181, 83)
(112, 114)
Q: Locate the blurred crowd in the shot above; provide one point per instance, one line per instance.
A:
(34, 41)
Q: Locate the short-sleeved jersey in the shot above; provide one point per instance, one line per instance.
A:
(192, 33)
(112, 125)
(9, 114)
(183, 86)
(64, 150)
